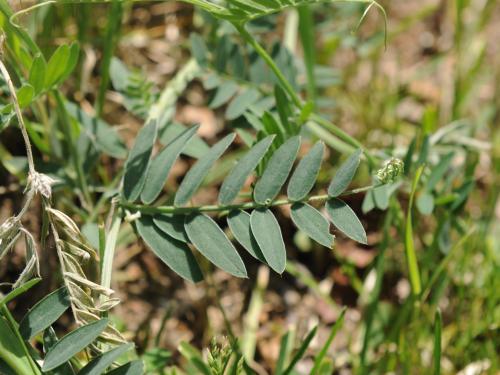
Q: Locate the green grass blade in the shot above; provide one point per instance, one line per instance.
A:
(411, 257)
(438, 323)
(322, 354)
(302, 350)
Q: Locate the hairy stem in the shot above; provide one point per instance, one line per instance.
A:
(22, 126)
(229, 207)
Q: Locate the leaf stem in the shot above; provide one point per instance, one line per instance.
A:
(228, 207)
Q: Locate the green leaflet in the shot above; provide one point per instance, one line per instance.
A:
(173, 253)
(277, 171)
(223, 94)
(425, 203)
(313, 223)
(18, 291)
(199, 171)
(344, 175)
(240, 104)
(99, 364)
(344, 218)
(132, 368)
(138, 161)
(211, 241)
(239, 223)
(267, 233)
(304, 176)
(37, 73)
(44, 313)
(25, 95)
(236, 178)
(73, 343)
(162, 164)
(57, 65)
(173, 225)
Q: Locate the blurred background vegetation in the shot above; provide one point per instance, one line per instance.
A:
(426, 90)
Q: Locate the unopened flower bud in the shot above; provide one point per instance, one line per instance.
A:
(390, 171)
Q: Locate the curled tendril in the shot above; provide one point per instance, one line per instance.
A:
(392, 168)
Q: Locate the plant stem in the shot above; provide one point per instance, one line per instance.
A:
(339, 133)
(14, 327)
(22, 126)
(229, 207)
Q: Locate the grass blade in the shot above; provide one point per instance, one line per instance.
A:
(302, 350)
(322, 354)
